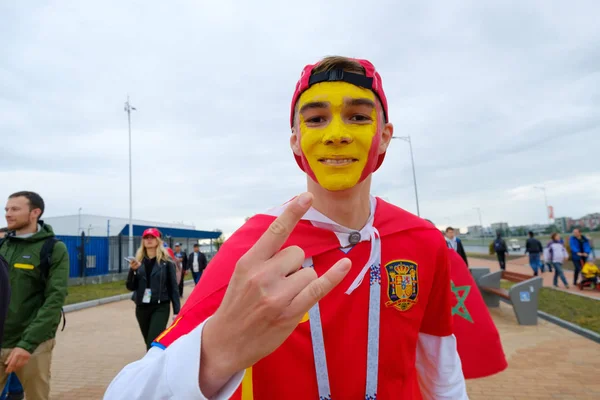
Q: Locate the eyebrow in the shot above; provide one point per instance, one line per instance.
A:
(314, 104)
(351, 102)
(360, 102)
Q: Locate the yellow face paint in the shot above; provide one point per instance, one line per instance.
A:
(337, 124)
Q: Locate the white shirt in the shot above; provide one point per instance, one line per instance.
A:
(195, 265)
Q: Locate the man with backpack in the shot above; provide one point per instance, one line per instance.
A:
(501, 250)
(4, 292)
(38, 266)
(534, 248)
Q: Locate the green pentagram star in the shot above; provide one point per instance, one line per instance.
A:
(460, 307)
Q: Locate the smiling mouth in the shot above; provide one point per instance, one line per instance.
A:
(336, 162)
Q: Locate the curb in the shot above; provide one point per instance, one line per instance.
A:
(105, 300)
(586, 333)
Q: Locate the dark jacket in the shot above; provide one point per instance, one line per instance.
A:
(4, 294)
(461, 251)
(201, 262)
(533, 246)
(500, 246)
(163, 282)
(577, 246)
(35, 303)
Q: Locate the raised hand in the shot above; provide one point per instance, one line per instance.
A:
(134, 264)
(268, 295)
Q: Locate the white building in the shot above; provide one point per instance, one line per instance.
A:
(105, 240)
(97, 225)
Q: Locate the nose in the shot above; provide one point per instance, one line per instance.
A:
(336, 135)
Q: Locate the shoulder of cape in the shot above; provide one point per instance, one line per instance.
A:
(390, 219)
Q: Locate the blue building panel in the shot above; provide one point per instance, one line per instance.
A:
(71, 242)
(96, 254)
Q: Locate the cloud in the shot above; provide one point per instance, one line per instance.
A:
(497, 98)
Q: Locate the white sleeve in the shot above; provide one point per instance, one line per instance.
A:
(171, 373)
(439, 368)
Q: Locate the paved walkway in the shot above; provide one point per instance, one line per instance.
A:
(521, 265)
(545, 361)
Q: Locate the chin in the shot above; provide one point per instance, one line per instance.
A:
(12, 227)
(338, 184)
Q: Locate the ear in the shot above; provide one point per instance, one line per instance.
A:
(295, 143)
(35, 213)
(386, 137)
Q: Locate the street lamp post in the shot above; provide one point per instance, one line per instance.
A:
(480, 223)
(412, 159)
(128, 109)
(543, 189)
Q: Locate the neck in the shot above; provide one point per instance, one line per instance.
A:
(151, 252)
(349, 208)
(31, 228)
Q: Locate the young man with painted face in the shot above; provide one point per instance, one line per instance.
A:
(334, 295)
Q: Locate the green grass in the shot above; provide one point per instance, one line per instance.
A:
(579, 310)
(79, 294)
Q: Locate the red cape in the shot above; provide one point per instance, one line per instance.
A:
(389, 219)
(477, 338)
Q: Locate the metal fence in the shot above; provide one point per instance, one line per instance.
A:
(93, 256)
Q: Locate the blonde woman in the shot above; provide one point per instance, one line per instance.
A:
(154, 284)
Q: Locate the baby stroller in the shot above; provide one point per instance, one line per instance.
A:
(590, 274)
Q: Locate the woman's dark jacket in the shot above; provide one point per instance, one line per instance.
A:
(163, 282)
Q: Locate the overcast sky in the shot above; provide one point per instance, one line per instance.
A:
(498, 97)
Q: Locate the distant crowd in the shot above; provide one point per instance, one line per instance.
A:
(34, 274)
(554, 255)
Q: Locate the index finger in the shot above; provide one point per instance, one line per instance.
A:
(280, 229)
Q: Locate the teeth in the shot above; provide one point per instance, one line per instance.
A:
(336, 161)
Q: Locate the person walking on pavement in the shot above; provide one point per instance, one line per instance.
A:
(580, 249)
(455, 244)
(4, 292)
(13, 390)
(534, 248)
(182, 258)
(39, 271)
(555, 254)
(197, 263)
(501, 250)
(153, 280)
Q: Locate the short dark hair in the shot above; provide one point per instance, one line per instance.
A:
(35, 200)
(531, 234)
(448, 229)
(196, 245)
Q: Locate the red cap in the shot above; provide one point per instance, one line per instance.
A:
(371, 80)
(152, 232)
